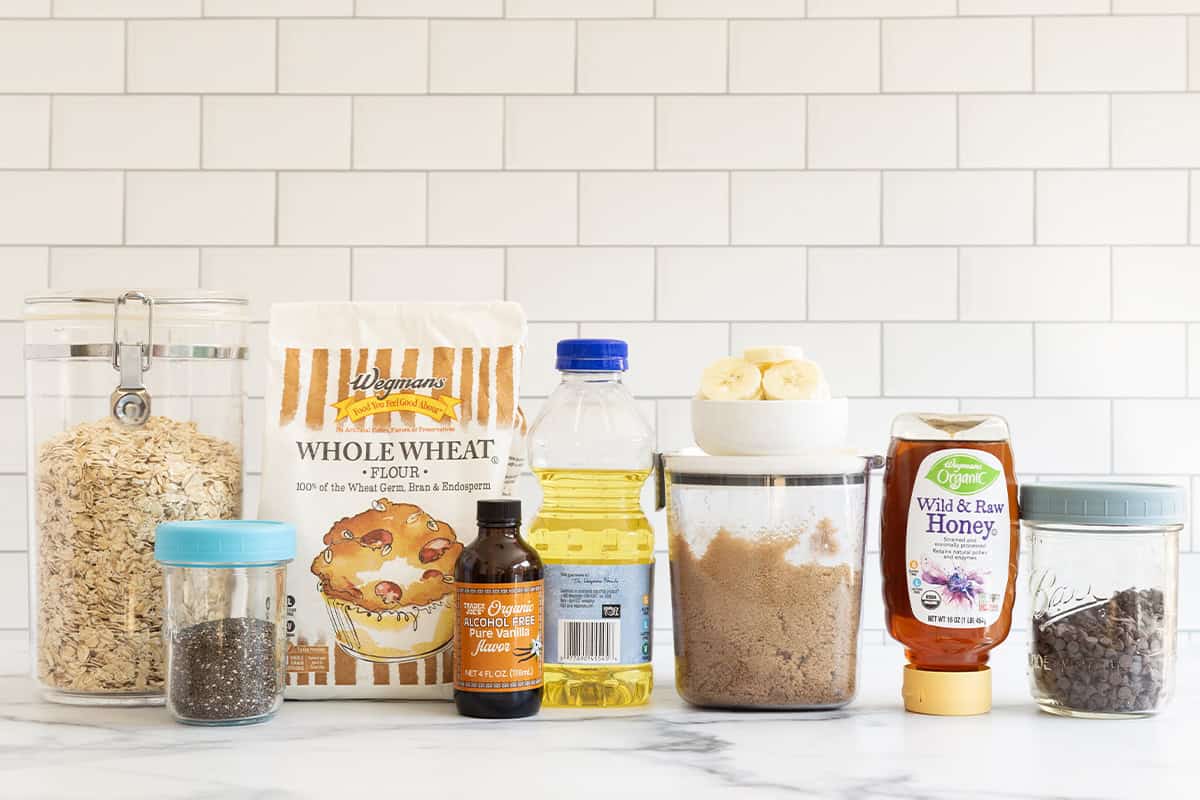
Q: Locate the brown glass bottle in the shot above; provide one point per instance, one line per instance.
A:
(499, 612)
(959, 646)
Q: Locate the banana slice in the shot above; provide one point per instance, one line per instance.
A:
(794, 380)
(731, 379)
(773, 354)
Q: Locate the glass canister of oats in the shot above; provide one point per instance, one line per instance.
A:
(135, 408)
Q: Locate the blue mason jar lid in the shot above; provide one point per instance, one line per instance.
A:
(592, 355)
(1099, 503)
(224, 542)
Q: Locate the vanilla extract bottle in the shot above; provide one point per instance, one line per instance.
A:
(499, 607)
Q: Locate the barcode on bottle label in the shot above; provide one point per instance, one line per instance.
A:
(588, 641)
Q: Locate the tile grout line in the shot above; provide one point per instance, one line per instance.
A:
(353, 115)
(200, 101)
(50, 132)
(277, 59)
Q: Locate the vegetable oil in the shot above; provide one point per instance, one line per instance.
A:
(592, 452)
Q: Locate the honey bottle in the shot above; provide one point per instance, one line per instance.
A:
(498, 621)
(948, 554)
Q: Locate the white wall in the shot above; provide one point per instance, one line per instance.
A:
(961, 206)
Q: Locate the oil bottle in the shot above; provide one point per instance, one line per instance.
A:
(592, 451)
(948, 555)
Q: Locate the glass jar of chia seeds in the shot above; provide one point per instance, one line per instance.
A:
(1104, 587)
(224, 618)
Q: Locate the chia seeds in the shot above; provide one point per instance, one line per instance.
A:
(1106, 658)
(224, 670)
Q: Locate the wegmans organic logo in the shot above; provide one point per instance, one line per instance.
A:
(385, 399)
(962, 474)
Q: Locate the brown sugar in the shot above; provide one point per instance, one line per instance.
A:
(754, 629)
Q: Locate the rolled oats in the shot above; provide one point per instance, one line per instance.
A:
(101, 490)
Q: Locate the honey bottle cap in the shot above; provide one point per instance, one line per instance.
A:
(947, 694)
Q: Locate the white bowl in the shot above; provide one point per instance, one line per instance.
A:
(769, 427)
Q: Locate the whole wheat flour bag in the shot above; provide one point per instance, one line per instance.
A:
(385, 423)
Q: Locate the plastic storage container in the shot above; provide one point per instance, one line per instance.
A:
(225, 635)
(766, 577)
(1105, 595)
(134, 407)
(592, 452)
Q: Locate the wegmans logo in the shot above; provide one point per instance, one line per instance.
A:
(393, 394)
(962, 474)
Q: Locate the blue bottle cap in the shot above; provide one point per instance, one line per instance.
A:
(592, 355)
(224, 542)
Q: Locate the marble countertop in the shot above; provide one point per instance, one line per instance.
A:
(398, 751)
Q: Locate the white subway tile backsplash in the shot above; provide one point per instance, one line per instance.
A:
(539, 377)
(132, 132)
(573, 283)
(13, 522)
(25, 271)
(60, 207)
(1155, 130)
(1013, 130)
(12, 434)
(430, 8)
(276, 132)
(652, 56)
(24, 136)
(741, 283)
(360, 208)
(1156, 283)
(848, 352)
(1117, 207)
(277, 274)
(1055, 435)
(948, 359)
(572, 132)
(1111, 54)
(501, 56)
(731, 8)
(881, 8)
(125, 267)
(1034, 283)
(855, 176)
(281, 8)
(353, 56)
(199, 208)
(993, 8)
(16, 9)
(731, 132)
(622, 208)
(1110, 360)
(14, 576)
(428, 132)
(804, 56)
(482, 208)
(910, 283)
(580, 9)
(420, 274)
(805, 208)
(665, 359)
(881, 131)
(32, 56)
(871, 420)
(957, 55)
(213, 55)
(1156, 436)
(127, 8)
(963, 207)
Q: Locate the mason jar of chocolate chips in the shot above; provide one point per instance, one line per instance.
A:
(1104, 588)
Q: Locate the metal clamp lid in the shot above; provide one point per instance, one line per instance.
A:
(130, 402)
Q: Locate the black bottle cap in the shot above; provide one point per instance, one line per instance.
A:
(503, 513)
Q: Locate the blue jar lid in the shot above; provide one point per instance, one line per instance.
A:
(1099, 503)
(224, 542)
(592, 355)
